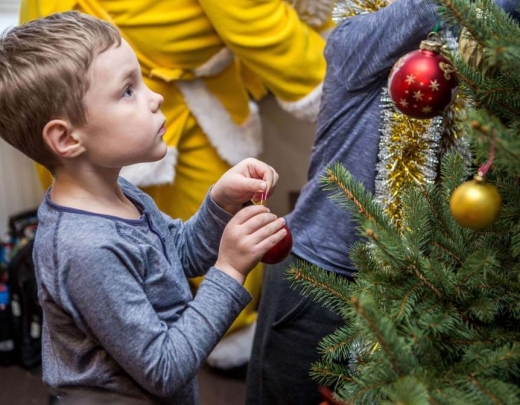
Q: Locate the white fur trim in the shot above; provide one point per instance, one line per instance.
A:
(306, 108)
(153, 173)
(233, 350)
(215, 64)
(233, 142)
(313, 12)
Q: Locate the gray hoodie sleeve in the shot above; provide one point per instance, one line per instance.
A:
(197, 240)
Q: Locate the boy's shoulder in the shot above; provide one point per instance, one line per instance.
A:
(73, 228)
(79, 240)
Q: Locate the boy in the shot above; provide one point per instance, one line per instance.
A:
(120, 322)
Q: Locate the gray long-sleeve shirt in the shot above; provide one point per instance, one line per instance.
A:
(360, 53)
(119, 316)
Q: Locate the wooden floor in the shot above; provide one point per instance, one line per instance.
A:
(21, 387)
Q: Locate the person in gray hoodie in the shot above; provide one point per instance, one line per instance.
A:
(360, 53)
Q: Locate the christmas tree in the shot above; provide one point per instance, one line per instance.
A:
(434, 314)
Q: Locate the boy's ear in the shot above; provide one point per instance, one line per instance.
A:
(58, 136)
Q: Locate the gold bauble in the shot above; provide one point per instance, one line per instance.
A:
(475, 204)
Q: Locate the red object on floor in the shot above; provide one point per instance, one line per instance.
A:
(327, 394)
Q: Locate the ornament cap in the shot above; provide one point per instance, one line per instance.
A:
(479, 178)
(431, 45)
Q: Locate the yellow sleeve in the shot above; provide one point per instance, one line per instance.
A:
(32, 9)
(268, 37)
(29, 10)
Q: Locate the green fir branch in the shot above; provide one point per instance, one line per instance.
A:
(397, 354)
(453, 172)
(473, 271)
(322, 286)
(515, 240)
(336, 347)
(503, 102)
(501, 362)
(486, 130)
(417, 230)
(349, 194)
(483, 19)
(329, 374)
(407, 390)
(496, 391)
(365, 392)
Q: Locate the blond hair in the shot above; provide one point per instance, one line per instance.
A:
(43, 76)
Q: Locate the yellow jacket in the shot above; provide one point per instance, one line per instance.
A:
(219, 56)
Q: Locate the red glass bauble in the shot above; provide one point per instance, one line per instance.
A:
(423, 83)
(279, 251)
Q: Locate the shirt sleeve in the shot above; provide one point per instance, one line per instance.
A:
(270, 39)
(363, 48)
(103, 292)
(197, 240)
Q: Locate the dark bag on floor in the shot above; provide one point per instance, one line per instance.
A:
(25, 308)
(6, 320)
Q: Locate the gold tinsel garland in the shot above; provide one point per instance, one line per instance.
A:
(350, 8)
(407, 153)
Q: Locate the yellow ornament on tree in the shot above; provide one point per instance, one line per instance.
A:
(476, 204)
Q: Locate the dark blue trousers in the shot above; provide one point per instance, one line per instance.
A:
(289, 327)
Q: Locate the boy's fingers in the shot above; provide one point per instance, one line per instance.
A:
(271, 178)
(248, 212)
(254, 185)
(260, 170)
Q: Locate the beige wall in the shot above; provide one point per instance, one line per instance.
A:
(287, 147)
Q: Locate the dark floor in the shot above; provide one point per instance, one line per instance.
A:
(21, 387)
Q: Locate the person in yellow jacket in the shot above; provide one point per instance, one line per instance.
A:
(211, 60)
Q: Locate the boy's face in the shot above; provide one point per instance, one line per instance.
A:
(124, 122)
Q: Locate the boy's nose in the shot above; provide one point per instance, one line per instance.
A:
(157, 101)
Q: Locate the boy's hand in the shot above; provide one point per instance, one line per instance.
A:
(246, 238)
(247, 180)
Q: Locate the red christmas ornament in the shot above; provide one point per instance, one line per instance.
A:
(279, 251)
(423, 83)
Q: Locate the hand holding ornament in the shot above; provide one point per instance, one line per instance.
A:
(282, 249)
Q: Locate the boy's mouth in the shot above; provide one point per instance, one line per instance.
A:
(162, 130)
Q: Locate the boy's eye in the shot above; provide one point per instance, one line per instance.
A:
(128, 91)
